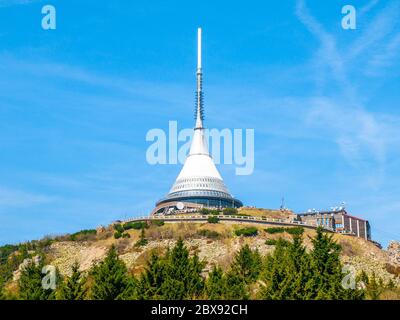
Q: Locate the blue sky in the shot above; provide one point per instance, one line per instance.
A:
(76, 104)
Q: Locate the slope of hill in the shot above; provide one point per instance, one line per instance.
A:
(215, 243)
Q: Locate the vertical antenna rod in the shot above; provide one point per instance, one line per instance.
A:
(199, 112)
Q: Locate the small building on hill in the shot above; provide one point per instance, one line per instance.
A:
(339, 220)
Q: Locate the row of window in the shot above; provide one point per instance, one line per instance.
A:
(201, 193)
(198, 179)
(323, 222)
(197, 185)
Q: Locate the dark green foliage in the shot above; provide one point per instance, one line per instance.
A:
(271, 242)
(119, 228)
(158, 223)
(135, 225)
(292, 273)
(373, 286)
(295, 230)
(209, 234)
(209, 211)
(82, 235)
(110, 279)
(244, 270)
(73, 287)
(215, 287)
(6, 251)
(142, 240)
(11, 258)
(204, 211)
(327, 268)
(286, 271)
(230, 211)
(247, 264)
(30, 283)
(290, 230)
(247, 232)
(273, 230)
(213, 219)
(174, 276)
(150, 283)
(125, 235)
(236, 288)
(117, 234)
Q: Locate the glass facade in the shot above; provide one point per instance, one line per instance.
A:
(222, 202)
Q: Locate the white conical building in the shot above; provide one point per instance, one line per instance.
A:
(199, 182)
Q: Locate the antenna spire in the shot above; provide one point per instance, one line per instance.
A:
(199, 112)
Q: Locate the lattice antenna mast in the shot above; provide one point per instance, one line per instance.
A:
(199, 112)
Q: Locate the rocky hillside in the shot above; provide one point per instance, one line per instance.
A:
(214, 243)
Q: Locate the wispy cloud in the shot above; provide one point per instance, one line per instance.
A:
(357, 131)
(12, 198)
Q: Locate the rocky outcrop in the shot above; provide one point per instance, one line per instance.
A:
(393, 251)
(64, 254)
(17, 273)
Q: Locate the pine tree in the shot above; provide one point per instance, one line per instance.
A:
(236, 287)
(326, 282)
(374, 287)
(30, 283)
(110, 278)
(278, 273)
(174, 276)
(182, 272)
(215, 287)
(142, 239)
(151, 280)
(73, 288)
(296, 269)
(247, 264)
(245, 269)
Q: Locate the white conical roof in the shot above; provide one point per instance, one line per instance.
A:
(199, 163)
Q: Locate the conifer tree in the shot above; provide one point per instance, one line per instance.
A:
(298, 271)
(151, 280)
(182, 273)
(277, 275)
(73, 288)
(215, 287)
(245, 269)
(110, 279)
(326, 282)
(142, 239)
(174, 276)
(236, 287)
(373, 286)
(30, 283)
(247, 264)
(292, 273)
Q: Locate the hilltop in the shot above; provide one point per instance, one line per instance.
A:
(215, 243)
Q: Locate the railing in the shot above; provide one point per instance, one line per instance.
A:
(262, 220)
